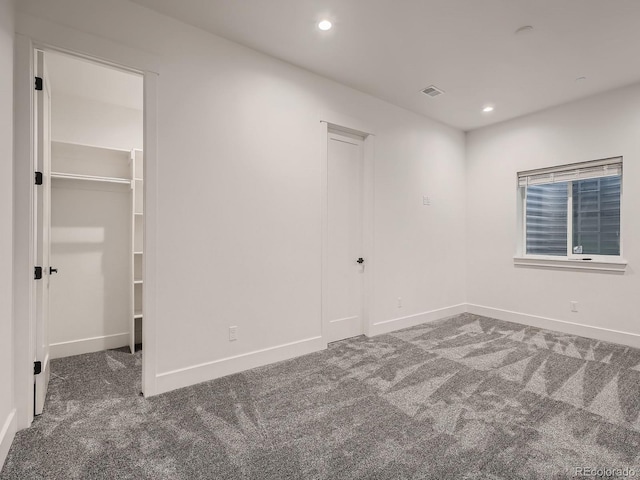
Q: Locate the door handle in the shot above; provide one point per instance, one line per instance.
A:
(360, 260)
(52, 270)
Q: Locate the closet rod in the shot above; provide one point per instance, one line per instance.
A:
(91, 178)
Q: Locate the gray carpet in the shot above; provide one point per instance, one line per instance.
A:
(464, 398)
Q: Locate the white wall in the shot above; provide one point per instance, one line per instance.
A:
(91, 247)
(603, 126)
(239, 193)
(7, 412)
(90, 122)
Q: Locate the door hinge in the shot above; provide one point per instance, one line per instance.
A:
(38, 83)
(38, 178)
(37, 368)
(37, 275)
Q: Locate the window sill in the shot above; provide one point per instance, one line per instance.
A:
(610, 266)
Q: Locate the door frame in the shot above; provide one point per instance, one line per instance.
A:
(367, 203)
(24, 330)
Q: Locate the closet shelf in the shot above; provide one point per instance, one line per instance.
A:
(138, 282)
(91, 178)
(137, 315)
(137, 253)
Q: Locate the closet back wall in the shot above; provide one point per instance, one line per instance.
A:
(90, 122)
(90, 247)
(91, 232)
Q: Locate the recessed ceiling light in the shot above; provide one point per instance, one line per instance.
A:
(524, 29)
(487, 109)
(325, 25)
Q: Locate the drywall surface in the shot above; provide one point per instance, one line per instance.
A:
(240, 188)
(91, 248)
(7, 422)
(603, 126)
(91, 122)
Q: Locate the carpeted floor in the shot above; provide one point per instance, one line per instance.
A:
(464, 398)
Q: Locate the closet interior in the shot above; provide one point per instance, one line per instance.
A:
(97, 208)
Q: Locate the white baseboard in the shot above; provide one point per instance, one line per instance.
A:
(597, 333)
(387, 326)
(7, 434)
(184, 377)
(88, 345)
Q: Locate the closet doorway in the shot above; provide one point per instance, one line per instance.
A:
(91, 159)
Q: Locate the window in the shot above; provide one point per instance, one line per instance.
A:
(573, 211)
(546, 219)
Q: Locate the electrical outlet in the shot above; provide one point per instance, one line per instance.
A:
(233, 333)
(574, 306)
(399, 302)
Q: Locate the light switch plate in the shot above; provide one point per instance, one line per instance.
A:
(233, 333)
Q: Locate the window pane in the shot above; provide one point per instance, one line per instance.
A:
(596, 216)
(547, 219)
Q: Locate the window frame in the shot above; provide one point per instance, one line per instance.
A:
(613, 263)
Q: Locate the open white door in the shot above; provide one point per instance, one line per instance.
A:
(42, 229)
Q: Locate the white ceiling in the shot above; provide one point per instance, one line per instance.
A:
(81, 78)
(394, 48)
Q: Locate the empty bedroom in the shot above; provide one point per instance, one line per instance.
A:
(319, 239)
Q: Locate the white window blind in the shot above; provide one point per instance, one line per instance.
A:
(610, 167)
(546, 219)
(596, 215)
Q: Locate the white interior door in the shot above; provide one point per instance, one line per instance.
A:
(42, 230)
(345, 262)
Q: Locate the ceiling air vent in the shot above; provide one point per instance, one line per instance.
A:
(432, 91)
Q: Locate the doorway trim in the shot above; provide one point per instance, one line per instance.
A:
(367, 223)
(23, 208)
